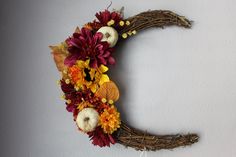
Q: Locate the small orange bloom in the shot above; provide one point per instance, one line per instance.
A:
(83, 105)
(76, 73)
(88, 26)
(110, 120)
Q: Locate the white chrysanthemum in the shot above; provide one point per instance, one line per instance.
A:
(87, 119)
(110, 35)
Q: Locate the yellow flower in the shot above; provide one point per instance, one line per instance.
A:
(121, 23)
(83, 105)
(102, 77)
(111, 22)
(127, 23)
(81, 74)
(124, 35)
(110, 120)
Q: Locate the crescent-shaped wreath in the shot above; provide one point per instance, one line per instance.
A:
(83, 61)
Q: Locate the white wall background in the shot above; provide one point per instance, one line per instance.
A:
(172, 80)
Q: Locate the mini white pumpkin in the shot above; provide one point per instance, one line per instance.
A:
(110, 35)
(87, 119)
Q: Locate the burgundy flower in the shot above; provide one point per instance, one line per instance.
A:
(74, 97)
(99, 138)
(93, 26)
(86, 45)
(105, 16)
(66, 88)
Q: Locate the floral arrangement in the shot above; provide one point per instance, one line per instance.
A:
(89, 93)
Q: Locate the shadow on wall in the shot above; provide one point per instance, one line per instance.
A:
(118, 74)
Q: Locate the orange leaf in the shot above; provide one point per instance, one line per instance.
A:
(59, 54)
(109, 91)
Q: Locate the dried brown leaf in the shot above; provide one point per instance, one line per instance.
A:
(77, 30)
(59, 54)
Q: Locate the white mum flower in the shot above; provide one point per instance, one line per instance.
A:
(87, 119)
(110, 35)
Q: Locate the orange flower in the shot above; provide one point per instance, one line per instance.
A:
(82, 75)
(88, 26)
(110, 120)
(83, 105)
(76, 73)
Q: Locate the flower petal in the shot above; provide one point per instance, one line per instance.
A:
(102, 60)
(103, 68)
(106, 54)
(111, 60)
(71, 60)
(104, 78)
(93, 63)
(70, 108)
(97, 37)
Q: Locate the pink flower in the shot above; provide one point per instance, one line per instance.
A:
(86, 45)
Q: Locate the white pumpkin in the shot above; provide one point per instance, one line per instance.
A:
(110, 35)
(87, 119)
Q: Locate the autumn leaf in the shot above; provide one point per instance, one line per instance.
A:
(59, 53)
(109, 91)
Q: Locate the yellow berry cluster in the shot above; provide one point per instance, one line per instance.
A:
(123, 23)
(125, 35)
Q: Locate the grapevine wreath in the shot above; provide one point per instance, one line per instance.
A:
(90, 94)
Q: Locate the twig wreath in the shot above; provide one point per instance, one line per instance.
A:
(90, 94)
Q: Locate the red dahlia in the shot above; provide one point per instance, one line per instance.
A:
(99, 138)
(86, 45)
(74, 97)
(105, 16)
